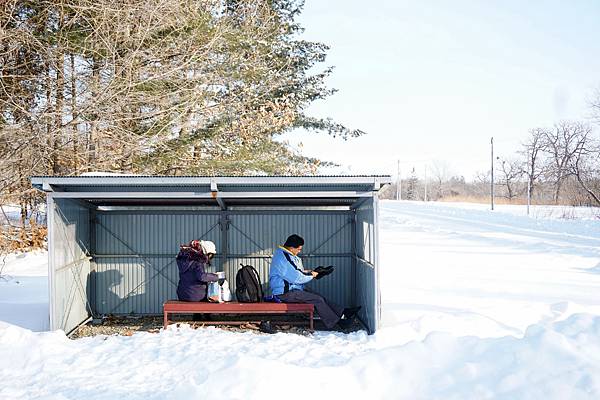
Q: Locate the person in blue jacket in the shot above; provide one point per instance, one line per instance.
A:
(287, 278)
(191, 262)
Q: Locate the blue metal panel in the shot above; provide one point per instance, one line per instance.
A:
(69, 239)
(365, 232)
(336, 287)
(135, 268)
(252, 238)
(316, 186)
(130, 188)
(152, 233)
(366, 278)
(165, 183)
(365, 296)
(260, 234)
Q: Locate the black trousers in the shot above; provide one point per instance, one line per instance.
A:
(329, 312)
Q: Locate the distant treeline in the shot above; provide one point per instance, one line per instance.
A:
(557, 165)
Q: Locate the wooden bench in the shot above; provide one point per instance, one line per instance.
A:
(187, 307)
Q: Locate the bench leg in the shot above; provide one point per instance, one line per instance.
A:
(166, 319)
(311, 321)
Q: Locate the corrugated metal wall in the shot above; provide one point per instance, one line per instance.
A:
(69, 244)
(134, 263)
(134, 260)
(367, 285)
(252, 238)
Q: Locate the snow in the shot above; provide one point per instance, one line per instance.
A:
(10, 213)
(24, 290)
(476, 305)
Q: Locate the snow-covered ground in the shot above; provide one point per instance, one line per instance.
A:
(12, 215)
(24, 290)
(476, 305)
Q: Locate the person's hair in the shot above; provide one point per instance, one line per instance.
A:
(294, 241)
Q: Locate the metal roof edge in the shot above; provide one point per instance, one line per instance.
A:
(48, 183)
(210, 176)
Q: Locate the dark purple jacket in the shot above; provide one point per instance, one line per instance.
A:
(192, 277)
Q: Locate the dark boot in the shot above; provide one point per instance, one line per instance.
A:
(346, 323)
(201, 317)
(265, 327)
(351, 312)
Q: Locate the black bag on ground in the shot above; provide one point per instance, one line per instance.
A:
(248, 288)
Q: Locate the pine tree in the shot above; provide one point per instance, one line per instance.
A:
(411, 187)
(156, 87)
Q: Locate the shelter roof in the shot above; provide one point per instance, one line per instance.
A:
(320, 190)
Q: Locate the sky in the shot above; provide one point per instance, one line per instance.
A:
(432, 81)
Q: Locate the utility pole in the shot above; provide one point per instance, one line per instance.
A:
(492, 174)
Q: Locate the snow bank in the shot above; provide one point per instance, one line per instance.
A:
(476, 305)
(483, 273)
(24, 290)
(535, 211)
(557, 362)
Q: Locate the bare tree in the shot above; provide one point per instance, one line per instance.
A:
(563, 144)
(457, 186)
(585, 167)
(159, 86)
(533, 152)
(440, 175)
(595, 106)
(155, 87)
(481, 183)
(511, 171)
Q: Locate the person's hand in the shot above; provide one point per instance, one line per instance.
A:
(314, 274)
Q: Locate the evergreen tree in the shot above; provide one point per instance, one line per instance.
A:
(411, 186)
(156, 87)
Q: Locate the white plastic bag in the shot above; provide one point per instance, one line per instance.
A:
(225, 292)
(214, 292)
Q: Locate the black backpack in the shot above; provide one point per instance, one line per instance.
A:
(248, 288)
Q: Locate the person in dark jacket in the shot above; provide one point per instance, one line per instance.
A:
(287, 278)
(191, 261)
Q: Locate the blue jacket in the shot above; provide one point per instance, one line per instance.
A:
(192, 277)
(283, 270)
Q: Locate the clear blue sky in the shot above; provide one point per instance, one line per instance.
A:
(432, 81)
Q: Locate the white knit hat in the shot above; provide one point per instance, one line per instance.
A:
(208, 247)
